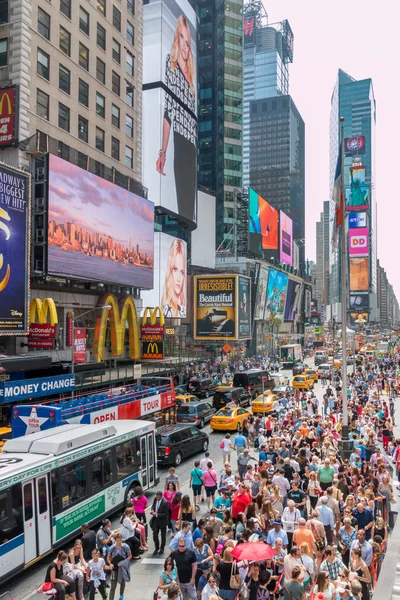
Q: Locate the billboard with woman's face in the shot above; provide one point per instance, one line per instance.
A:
(170, 107)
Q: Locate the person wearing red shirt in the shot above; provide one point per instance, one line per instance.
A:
(241, 500)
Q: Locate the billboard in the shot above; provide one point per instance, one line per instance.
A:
(357, 219)
(359, 275)
(14, 250)
(249, 29)
(307, 303)
(215, 307)
(357, 195)
(285, 239)
(358, 241)
(358, 318)
(263, 224)
(293, 300)
(359, 302)
(276, 294)
(8, 116)
(170, 276)
(244, 308)
(259, 307)
(170, 106)
(97, 230)
(354, 145)
(204, 237)
(24, 389)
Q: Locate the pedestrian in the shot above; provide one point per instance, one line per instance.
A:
(159, 521)
(186, 564)
(55, 575)
(172, 477)
(242, 462)
(95, 575)
(88, 541)
(203, 466)
(210, 483)
(226, 446)
(118, 553)
(196, 483)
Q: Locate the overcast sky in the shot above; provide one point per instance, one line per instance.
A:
(363, 40)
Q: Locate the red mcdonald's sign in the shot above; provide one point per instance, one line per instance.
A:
(8, 116)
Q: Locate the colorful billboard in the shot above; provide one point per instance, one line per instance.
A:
(293, 300)
(357, 219)
(359, 275)
(359, 302)
(8, 116)
(358, 318)
(215, 307)
(354, 145)
(263, 224)
(259, 307)
(358, 241)
(98, 230)
(244, 308)
(276, 294)
(80, 345)
(357, 195)
(285, 239)
(170, 106)
(14, 250)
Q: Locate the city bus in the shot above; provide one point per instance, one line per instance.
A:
(51, 482)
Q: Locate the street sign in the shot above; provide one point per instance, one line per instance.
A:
(226, 348)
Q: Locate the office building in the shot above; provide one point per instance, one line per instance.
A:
(322, 258)
(388, 306)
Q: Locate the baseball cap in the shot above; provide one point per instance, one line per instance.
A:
(246, 450)
(277, 522)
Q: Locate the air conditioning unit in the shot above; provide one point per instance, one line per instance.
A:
(39, 176)
(39, 203)
(39, 235)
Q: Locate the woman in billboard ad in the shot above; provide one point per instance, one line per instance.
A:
(173, 301)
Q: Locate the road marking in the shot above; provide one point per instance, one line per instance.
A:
(152, 561)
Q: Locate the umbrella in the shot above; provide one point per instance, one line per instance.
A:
(253, 551)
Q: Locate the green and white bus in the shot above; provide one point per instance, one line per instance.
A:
(51, 482)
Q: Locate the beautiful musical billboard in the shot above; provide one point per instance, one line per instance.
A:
(98, 230)
(359, 275)
(262, 285)
(358, 241)
(276, 294)
(263, 224)
(215, 307)
(14, 250)
(285, 239)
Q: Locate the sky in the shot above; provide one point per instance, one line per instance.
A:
(362, 39)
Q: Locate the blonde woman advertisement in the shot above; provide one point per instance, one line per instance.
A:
(173, 301)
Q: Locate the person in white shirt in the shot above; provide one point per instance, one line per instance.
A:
(283, 484)
(290, 520)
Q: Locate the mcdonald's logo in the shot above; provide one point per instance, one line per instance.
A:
(4, 96)
(150, 329)
(122, 311)
(7, 116)
(152, 314)
(41, 310)
(153, 351)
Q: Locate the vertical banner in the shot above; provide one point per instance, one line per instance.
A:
(14, 250)
(244, 308)
(69, 329)
(79, 345)
(8, 116)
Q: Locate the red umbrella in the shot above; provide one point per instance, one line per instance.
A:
(253, 551)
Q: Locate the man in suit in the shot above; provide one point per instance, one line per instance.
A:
(159, 522)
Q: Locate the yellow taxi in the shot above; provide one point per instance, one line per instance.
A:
(184, 398)
(302, 382)
(5, 434)
(225, 387)
(337, 363)
(311, 373)
(263, 404)
(229, 418)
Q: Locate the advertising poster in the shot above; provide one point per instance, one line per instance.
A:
(358, 241)
(14, 250)
(354, 145)
(293, 300)
(307, 303)
(215, 307)
(357, 195)
(170, 106)
(79, 345)
(359, 275)
(263, 224)
(261, 294)
(170, 276)
(359, 302)
(357, 220)
(8, 116)
(286, 239)
(244, 308)
(276, 294)
(98, 230)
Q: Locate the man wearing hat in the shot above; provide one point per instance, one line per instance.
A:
(277, 532)
(242, 462)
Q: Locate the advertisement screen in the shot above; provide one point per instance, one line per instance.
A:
(261, 294)
(14, 250)
(307, 303)
(244, 308)
(286, 239)
(263, 224)
(357, 195)
(170, 106)
(354, 145)
(358, 241)
(357, 220)
(359, 275)
(97, 230)
(358, 318)
(359, 302)
(293, 300)
(276, 294)
(170, 276)
(215, 307)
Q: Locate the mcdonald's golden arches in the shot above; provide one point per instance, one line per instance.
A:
(122, 311)
(40, 310)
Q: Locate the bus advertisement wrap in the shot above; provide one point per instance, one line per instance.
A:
(244, 308)
(215, 307)
(276, 294)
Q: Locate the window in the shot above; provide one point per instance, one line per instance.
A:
(116, 18)
(3, 52)
(82, 160)
(98, 168)
(130, 4)
(63, 116)
(63, 150)
(100, 136)
(42, 495)
(130, 60)
(65, 8)
(84, 56)
(127, 463)
(83, 129)
(83, 20)
(44, 24)
(129, 126)
(129, 94)
(83, 93)
(3, 12)
(100, 105)
(101, 6)
(100, 70)
(101, 36)
(28, 501)
(42, 104)
(130, 33)
(64, 79)
(101, 471)
(129, 157)
(11, 514)
(43, 63)
(115, 148)
(72, 480)
(116, 51)
(65, 41)
(116, 83)
(115, 116)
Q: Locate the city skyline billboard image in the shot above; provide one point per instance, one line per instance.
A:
(357, 194)
(259, 307)
(276, 294)
(263, 224)
(215, 307)
(358, 241)
(97, 230)
(286, 239)
(244, 307)
(359, 275)
(170, 106)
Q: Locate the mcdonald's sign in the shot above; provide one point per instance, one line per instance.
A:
(41, 332)
(41, 310)
(153, 351)
(122, 311)
(151, 330)
(8, 116)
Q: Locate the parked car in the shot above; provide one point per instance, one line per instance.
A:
(229, 418)
(238, 395)
(175, 442)
(280, 379)
(196, 413)
(202, 388)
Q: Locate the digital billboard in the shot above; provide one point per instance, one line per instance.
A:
(354, 145)
(286, 239)
(263, 224)
(170, 106)
(261, 294)
(98, 230)
(357, 195)
(276, 294)
(358, 318)
(243, 308)
(14, 250)
(215, 307)
(293, 300)
(359, 302)
(357, 220)
(359, 275)
(170, 276)
(307, 303)
(358, 241)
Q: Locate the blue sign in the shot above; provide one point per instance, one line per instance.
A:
(31, 419)
(357, 220)
(13, 391)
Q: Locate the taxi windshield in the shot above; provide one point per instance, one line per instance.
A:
(225, 412)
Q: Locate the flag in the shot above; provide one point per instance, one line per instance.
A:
(337, 197)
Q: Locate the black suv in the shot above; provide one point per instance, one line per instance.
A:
(239, 395)
(202, 388)
(175, 442)
(195, 413)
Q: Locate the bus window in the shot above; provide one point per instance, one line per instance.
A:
(73, 484)
(55, 492)
(101, 471)
(42, 495)
(3, 507)
(11, 520)
(127, 463)
(28, 502)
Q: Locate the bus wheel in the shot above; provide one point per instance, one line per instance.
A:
(130, 492)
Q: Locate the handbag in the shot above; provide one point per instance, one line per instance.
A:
(234, 584)
(155, 594)
(45, 587)
(319, 542)
(392, 498)
(221, 444)
(342, 547)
